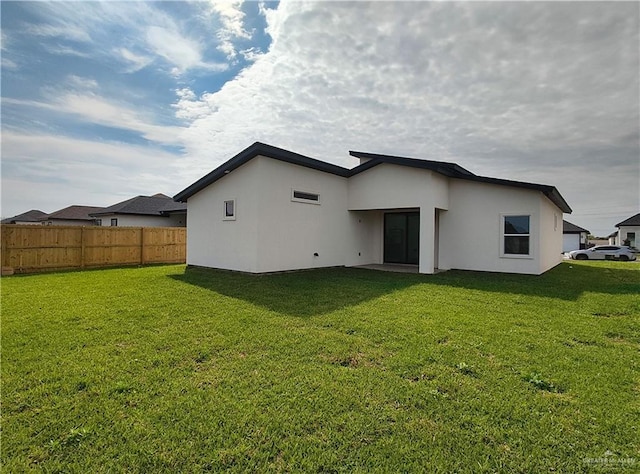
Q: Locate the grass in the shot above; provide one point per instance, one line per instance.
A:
(167, 369)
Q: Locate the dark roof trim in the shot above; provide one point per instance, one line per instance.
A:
(453, 170)
(259, 149)
(569, 228)
(633, 220)
(450, 170)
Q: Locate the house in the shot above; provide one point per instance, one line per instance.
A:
(269, 209)
(32, 217)
(72, 215)
(629, 231)
(143, 211)
(573, 237)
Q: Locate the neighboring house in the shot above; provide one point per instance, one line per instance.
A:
(629, 231)
(573, 237)
(72, 215)
(613, 238)
(143, 211)
(269, 210)
(32, 217)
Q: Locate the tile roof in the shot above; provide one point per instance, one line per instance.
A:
(81, 213)
(633, 220)
(34, 215)
(450, 170)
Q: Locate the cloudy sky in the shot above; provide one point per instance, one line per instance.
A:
(105, 101)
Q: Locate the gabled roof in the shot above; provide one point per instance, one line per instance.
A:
(633, 220)
(251, 152)
(569, 228)
(450, 170)
(34, 215)
(80, 213)
(140, 205)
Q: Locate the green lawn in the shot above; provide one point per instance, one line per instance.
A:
(167, 369)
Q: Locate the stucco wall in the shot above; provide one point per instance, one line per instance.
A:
(470, 231)
(218, 243)
(291, 232)
(394, 187)
(550, 234)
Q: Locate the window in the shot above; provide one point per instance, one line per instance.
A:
(304, 196)
(98, 222)
(516, 236)
(114, 222)
(229, 210)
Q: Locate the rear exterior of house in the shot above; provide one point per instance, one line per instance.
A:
(268, 210)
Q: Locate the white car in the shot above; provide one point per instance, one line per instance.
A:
(604, 252)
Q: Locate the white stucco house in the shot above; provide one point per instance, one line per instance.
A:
(574, 237)
(143, 211)
(269, 209)
(628, 231)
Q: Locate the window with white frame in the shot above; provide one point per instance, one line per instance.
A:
(305, 196)
(516, 235)
(229, 210)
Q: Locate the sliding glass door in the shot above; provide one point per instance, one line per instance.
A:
(402, 237)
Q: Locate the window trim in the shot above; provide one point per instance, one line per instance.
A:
(503, 235)
(306, 201)
(226, 217)
(114, 222)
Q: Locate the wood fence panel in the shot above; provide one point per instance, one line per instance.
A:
(28, 248)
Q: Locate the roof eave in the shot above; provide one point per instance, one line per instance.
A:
(258, 149)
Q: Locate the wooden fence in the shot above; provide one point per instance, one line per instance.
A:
(35, 248)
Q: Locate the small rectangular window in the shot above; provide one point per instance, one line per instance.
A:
(229, 212)
(114, 223)
(305, 196)
(516, 235)
(98, 221)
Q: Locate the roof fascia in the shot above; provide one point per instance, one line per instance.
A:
(259, 149)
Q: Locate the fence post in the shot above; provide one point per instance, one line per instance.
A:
(82, 247)
(141, 245)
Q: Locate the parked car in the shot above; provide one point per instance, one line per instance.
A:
(604, 252)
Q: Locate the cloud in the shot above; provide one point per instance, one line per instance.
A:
(138, 34)
(232, 25)
(90, 107)
(57, 171)
(500, 88)
(135, 62)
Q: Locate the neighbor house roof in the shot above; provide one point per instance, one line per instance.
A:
(450, 170)
(141, 205)
(80, 213)
(633, 220)
(569, 228)
(34, 215)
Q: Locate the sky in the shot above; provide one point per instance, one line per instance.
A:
(104, 101)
